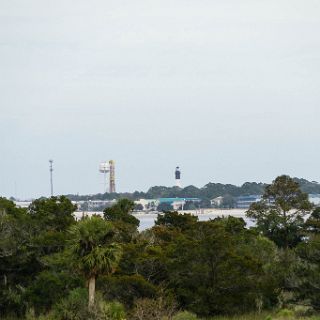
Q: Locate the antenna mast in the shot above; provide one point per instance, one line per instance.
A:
(51, 181)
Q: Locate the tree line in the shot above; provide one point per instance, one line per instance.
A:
(54, 267)
(207, 192)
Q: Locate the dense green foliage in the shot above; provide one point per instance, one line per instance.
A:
(280, 215)
(179, 269)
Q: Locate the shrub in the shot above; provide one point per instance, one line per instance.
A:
(74, 307)
(30, 315)
(302, 311)
(112, 311)
(47, 289)
(285, 313)
(159, 309)
(125, 289)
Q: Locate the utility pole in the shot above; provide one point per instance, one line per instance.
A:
(51, 181)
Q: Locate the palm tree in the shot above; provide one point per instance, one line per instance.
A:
(95, 252)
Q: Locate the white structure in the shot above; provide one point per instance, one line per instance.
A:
(104, 168)
(176, 205)
(22, 204)
(148, 204)
(216, 202)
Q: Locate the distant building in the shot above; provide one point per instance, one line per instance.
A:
(216, 202)
(148, 204)
(177, 203)
(171, 200)
(244, 202)
(22, 204)
(93, 205)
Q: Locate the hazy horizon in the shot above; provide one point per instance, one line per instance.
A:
(227, 90)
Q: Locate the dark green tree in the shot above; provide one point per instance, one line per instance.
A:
(126, 288)
(19, 261)
(209, 274)
(172, 219)
(55, 213)
(280, 215)
(51, 217)
(121, 211)
(120, 214)
(307, 273)
(7, 207)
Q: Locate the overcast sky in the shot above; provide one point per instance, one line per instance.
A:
(227, 89)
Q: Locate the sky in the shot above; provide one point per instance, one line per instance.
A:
(228, 90)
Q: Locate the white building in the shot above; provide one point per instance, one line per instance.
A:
(148, 204)
(216, 202)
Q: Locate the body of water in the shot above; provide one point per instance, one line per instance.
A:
(147, 219)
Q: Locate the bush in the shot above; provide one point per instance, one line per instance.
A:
(30, 315)
(285, 313)
(48, 289)
(125, 289)
(302, 311)
(185, 315)
(112, 311)
(151, 309)
(74, 307)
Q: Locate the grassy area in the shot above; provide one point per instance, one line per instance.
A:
(267, 316)
(244, 317)
(282, 315)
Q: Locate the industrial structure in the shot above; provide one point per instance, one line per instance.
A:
(112, 180)
(51, 180)
(178, 177)
(108, 167)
